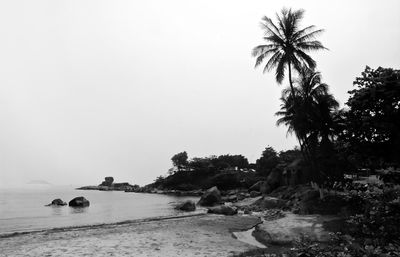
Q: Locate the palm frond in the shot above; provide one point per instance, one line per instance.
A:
(271, 26)
(306, 59)
(273, 61)
(308, 36)
(264, 55)
(280, 69)
(303, 32)
(260, 49)
(311, 45)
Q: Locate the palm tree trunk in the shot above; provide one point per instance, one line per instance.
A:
(290, 80)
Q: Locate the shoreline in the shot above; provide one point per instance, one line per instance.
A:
(190, 235)
(97, 226)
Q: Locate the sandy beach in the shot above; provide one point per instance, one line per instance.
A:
(203, 235)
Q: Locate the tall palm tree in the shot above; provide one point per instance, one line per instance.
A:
(310, 113)
(287, 44)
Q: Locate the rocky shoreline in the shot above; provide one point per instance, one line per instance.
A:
(258, 220)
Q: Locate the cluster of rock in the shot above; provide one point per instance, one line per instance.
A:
(109, 185)
(57, 202)
(150, 190)
(211, 199)
(79, 201)
(186, 206)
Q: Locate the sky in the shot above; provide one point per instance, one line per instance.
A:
(94, 88)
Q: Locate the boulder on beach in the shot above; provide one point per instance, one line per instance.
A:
(257, 186)
(79, 202)
(254, 194)
(229, 198)
(273, 180)
(223, 209)
(261, 186)
(211, 197)
(270, 203)
(186, 206)
(57, 202)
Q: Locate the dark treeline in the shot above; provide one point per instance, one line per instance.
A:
(334, 142)
(224, 171)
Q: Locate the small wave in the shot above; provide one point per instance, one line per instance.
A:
(101, 225)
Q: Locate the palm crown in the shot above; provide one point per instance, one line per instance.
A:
(287, 44)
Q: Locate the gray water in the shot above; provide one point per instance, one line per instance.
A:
(24, 210)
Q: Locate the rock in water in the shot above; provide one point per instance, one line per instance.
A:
(186, 206)
(57, 202)
(223, 209)
(211, 197)
(79, 202)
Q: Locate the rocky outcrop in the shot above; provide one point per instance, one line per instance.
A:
(57, 202)
(229, 198)
(107, 181)
(257, 186)
(186, 206)
(270, 203)
(267, 186)
(254, 194)
(291, 228)
(109, 185)
(274, 180)
(211, 197)
(223, 209)
(79, 202)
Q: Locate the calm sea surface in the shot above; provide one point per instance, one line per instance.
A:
(25, 210)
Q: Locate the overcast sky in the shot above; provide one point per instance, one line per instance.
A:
(90, 89)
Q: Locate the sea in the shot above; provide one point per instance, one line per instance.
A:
(24, 210)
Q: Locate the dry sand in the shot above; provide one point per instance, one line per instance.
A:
(204, 235)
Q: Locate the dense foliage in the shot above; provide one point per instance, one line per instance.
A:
(374, 231)
(180, 160)
(267, 162)
(224, 171)
(310, 113)
(371, 128)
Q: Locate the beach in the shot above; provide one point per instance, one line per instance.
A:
(197, 235)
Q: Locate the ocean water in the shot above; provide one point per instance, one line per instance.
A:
(24, 210)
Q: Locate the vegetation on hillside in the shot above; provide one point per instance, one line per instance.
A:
(224, 171)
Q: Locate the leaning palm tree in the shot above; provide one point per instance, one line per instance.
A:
(287, 44)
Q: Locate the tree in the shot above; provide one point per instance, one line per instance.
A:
(287, 44)
(372, 123)
(313, 122)
(231, 161)
(180, 160)
(288, 156)
(267, 162)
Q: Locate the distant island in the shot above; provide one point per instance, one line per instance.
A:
(109, 185)
(38, 182)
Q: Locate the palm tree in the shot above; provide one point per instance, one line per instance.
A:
(310, 113)
(287, 44)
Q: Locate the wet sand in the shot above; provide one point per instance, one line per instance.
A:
(203, 235)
